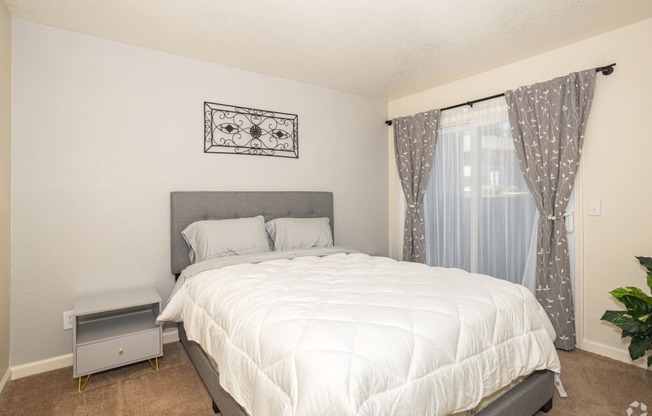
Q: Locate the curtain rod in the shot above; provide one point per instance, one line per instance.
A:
(606, 70)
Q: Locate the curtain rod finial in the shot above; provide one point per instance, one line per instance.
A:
(606, 70)
(388, 122)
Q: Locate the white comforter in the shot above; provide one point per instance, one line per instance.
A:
(351, 334)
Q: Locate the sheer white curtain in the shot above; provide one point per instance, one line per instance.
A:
(479, 214)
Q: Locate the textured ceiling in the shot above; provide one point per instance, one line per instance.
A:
(376, 48)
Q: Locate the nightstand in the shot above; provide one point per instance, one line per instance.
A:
(115, 329)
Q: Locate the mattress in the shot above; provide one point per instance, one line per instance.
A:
(336, 332)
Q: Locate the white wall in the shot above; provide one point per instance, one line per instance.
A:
(103, 131)
(5, 188)
(615, 165)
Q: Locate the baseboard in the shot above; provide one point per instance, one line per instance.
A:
(5, 379)
(36, 367)
(170, 335)
(611, 352)
(55, 363)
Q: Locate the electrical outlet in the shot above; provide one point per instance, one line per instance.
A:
(67, 320)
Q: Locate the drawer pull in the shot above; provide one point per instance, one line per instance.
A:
(121, 351)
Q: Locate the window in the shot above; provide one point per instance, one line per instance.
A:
(479, 214)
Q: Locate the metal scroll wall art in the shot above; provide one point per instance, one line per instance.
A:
(248, 131)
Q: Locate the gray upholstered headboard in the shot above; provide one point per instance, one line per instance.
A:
(188, 207)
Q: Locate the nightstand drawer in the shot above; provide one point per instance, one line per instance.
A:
(118, 351)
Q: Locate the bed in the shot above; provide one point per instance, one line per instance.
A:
(532, 392)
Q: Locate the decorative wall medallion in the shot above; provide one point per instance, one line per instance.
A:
(248, 131)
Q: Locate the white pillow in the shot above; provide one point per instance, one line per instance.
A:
(219, 238)
(299, 233)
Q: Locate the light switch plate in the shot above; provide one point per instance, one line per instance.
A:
(594, 207)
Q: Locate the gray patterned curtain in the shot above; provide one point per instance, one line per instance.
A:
(548, 120)
(414, 145)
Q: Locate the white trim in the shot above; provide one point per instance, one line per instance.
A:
(49, 364)
(578, 230)
(612, 352)
(5, 379)
(37, 367)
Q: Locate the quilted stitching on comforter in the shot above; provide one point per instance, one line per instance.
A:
(352, 334)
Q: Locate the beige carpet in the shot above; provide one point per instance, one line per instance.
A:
(175, 389)
(600, 386)
(596, 386)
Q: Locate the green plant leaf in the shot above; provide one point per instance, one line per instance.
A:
(613, 316)
(646, 333)
(625, 321)
(645, 262)
(638, 346)
(630, 291)
(637, 307)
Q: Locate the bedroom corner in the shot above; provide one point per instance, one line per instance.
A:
(255, 249)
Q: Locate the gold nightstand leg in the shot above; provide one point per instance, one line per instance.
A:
(154, 366)
(80, 386)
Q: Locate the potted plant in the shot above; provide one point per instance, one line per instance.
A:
(636, 321)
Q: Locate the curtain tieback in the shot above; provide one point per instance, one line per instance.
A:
(553, 218)
(413, 210)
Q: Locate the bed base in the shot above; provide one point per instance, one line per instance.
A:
(527, 398)
(222, 401)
